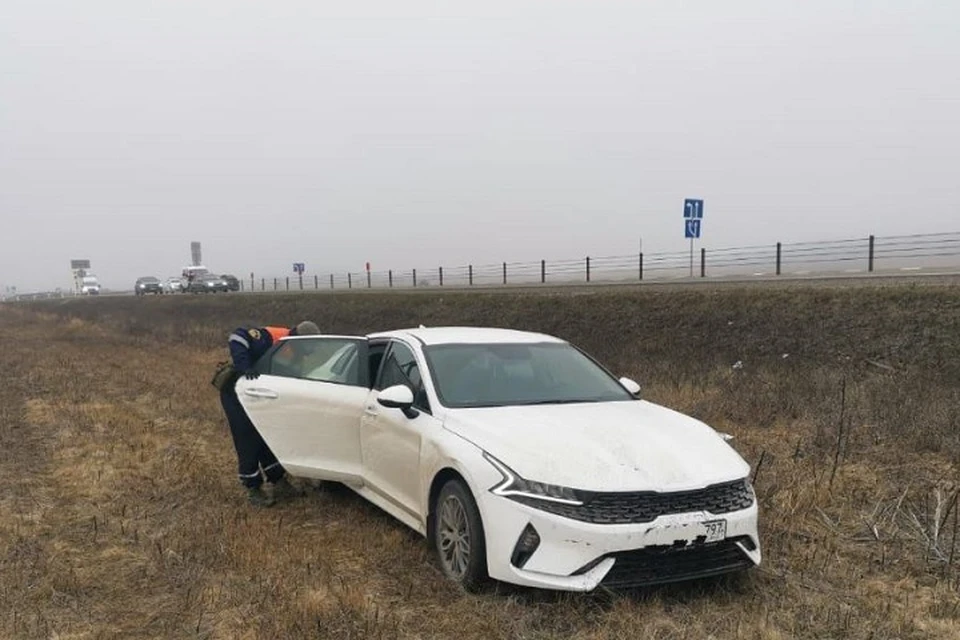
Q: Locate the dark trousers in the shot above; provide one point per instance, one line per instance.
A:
(255, 458)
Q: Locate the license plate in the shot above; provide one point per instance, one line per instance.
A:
(715, 530)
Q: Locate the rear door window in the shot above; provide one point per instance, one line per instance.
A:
(328, 359)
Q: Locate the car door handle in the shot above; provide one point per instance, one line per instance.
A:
(261, 393)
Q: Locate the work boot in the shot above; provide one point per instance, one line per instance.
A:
(258, 498)
(282, 490)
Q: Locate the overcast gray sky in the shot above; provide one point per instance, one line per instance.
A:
(413, 133)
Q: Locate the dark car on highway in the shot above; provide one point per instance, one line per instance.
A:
(148, 284)
(232, 283)
(207, 284)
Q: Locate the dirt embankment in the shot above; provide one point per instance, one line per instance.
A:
(767, 353)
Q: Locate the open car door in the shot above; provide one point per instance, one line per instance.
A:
(307, 404)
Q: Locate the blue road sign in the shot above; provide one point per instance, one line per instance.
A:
(692, 228)
(692, 209)
(299, 267)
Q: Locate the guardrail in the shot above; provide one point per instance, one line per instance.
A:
(870, 252)
(866, 254)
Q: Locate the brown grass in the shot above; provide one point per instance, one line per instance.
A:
(121, 517)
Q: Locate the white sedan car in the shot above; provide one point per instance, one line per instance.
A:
(519, 457)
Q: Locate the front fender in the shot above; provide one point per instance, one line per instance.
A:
(450, 451)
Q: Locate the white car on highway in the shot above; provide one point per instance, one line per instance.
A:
(518, 456)
(173, 285)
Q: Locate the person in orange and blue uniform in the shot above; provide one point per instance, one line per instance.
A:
(256, 462)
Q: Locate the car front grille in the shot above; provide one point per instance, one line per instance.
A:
(646, 506)
(664, 564)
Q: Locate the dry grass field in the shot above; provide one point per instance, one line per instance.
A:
(120, 514)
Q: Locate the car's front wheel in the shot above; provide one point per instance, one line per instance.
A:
(458, 536)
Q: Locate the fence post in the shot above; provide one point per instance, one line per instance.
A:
(543, 271)
(588, 268)
(331, 281)
(349, 280)
(288, 283)
(470, 274)
(252, 281)
(274, 284)
(504, 273)
(368, 279)
(703, 262)
(263, 284)
(870, 261)
(440, 270)
(390, 278)
(316, 281)
(640, 264)
(779, 249)
(414, 278)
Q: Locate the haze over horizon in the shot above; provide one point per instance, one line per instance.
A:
(421, 133)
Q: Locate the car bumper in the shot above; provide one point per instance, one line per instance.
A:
(580, 556)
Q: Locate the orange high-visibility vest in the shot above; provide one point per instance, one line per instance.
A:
(280, 332)
(277, 332)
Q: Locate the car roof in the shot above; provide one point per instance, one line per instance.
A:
(468, 335)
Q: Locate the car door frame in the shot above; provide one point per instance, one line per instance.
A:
(312, 426)
(391, 447)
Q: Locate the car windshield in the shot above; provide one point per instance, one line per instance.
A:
(148, 280)
(497, 375)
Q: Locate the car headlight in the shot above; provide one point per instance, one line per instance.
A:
(514, 486)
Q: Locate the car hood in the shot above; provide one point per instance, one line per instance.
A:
(610, 446)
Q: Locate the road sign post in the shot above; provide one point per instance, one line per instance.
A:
(196, 256)
(80, 268)
(298, 268)
(692, 218)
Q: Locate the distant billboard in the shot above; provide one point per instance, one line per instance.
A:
(195, 255)
(79, 264)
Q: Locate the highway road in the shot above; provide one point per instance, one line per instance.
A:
(917, 276)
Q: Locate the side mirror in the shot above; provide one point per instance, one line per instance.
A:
(630, 386)
(398, 397)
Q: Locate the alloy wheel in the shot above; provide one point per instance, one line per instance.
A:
(454, 537)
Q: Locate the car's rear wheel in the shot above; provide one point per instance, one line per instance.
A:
(458, 536)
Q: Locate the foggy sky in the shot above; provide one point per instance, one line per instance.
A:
(415, 134)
